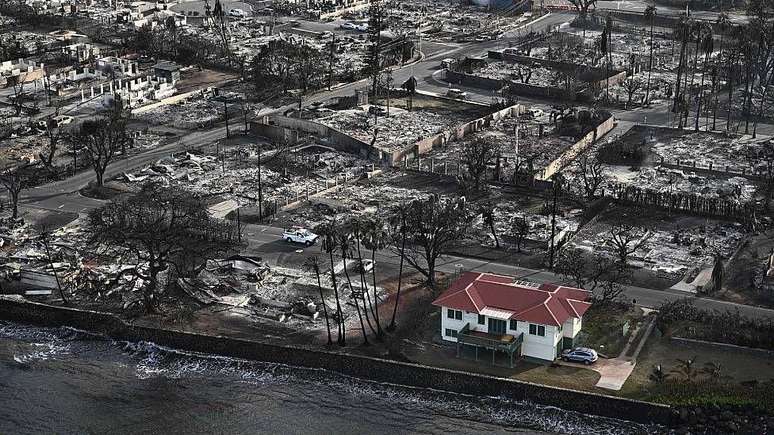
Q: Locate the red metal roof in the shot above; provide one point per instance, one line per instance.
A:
(547, 304)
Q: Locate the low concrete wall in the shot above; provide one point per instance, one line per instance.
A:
(336, 139)
(575, 149)
(474, 81)
(275, 133)
(689, 342)
(513, 88)
(426, 145)
(375, 369)
(166, 101)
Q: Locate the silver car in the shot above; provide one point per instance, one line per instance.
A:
(583, 355)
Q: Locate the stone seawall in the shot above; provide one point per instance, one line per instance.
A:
(19, 310)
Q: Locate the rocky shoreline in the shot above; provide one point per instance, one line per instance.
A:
(715, 419)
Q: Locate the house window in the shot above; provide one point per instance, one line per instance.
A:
(458, 315)
(514, 324)
(537, 330)
(449, 313)
(481, 319)
(451, 333)
(453, 314)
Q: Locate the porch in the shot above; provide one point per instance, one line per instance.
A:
(505, 343)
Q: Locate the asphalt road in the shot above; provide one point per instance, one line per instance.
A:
(266, 241)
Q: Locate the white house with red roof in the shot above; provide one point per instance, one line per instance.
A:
(499, 313)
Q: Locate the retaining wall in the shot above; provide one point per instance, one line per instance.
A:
(336, 139)
(426, 145)
(690, 342)
(578, 147)
(380, 370)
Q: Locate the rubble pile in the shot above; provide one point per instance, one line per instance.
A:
(675, 180)
(705, 149)
(672, 248)
(394, 132)
(623, 45)
(198, 113)
(207, 175)
(541, 76)
(532, 148)
(539, 223)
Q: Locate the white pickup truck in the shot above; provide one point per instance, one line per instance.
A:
(299, 235)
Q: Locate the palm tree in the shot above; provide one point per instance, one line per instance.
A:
(329, 235)
(658, 375)
(723, 24)
(345, 246)
(686, 369)
(375, 239)
(707, 47)
(650, 15)
(313, 264)
(398, 226)
(682, 32)
(356, 228)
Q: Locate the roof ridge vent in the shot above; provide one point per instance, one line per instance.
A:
(528, 284)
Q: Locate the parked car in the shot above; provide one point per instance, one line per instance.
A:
(300, 235)
(456, 93)
(348, 26)
(580, 354)
(361, 27)
(237, 13)
(56, 121)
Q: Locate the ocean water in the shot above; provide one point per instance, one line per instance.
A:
(60, 380)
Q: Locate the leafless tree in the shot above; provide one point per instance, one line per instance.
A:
(102, 139)
(488, 216)
(160, 229)
(582, 6)
(17, 82)
(592, 172)
(627, 238)
(14, 178)
(520, 229)
(52, 142)
(477, 156)
(433, 226)
(631, 85)
(603, 276)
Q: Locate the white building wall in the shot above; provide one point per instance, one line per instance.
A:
(572, 327)
(447, 323)
(533, 346)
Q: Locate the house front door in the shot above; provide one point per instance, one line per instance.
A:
(496, 326)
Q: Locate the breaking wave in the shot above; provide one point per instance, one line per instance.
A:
(149, 360)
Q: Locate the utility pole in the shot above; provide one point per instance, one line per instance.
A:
(225, 111)
(330, 62)
(239, 224)
(260, 186)
(556, 185)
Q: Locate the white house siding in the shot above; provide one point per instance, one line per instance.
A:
(572, 326)
(447, 323)
(533, 346)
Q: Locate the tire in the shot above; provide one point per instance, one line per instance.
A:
(308, 243)
(565, 359)
(289, 240)
(587, 362)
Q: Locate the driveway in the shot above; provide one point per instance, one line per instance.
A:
(613, 373)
